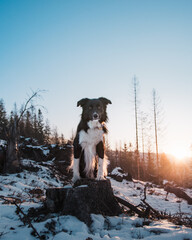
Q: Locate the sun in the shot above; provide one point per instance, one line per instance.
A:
(180, 153)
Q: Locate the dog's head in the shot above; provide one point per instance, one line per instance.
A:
(94, 109)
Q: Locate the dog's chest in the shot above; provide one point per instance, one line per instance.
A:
(90, 138)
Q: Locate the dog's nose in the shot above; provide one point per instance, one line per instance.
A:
(95, 116)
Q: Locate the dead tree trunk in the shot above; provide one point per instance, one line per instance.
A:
(12, 163)
(155, 122)
(136, 128)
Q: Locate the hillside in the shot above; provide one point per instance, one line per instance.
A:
(26, 191)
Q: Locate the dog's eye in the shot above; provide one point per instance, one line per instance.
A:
(90, 107)
(99, 107)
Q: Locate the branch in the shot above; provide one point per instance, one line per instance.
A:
(147, 204)
(131, 206)
(34, 94)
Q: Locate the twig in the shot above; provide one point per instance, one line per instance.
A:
(147, 204)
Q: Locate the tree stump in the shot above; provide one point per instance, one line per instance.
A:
(87, 196)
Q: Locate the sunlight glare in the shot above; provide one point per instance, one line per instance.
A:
(181, 152)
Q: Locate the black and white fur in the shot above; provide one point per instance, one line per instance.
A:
(89, 158)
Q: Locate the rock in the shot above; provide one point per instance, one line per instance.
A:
(118, 174)
(32, 152)
(42, 153)
(86, 197)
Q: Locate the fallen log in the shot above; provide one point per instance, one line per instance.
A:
(178, 192)
(131, 207)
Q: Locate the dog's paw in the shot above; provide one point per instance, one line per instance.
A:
(75, 178)
(99, 178)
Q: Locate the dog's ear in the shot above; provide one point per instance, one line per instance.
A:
(105, 100)
(82, 102)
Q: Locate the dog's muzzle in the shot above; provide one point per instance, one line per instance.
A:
(95, 116)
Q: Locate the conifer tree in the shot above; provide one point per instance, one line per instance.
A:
(130, 158)
(35, 126)
(28, 124)
(47, 132)
(165, 167)
(3, 120)
(55, 137)
(150, 164)
(40, 126)
(62, 140)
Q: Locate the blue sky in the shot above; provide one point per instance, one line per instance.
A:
(75, 49)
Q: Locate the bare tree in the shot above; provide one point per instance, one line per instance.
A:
(135, 83)
(144, 127)
(155, 122)
(144, 133)
(12, 163)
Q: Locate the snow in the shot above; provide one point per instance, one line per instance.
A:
(117, 171)
(121, 227)
(3, 143)
(156, 197)
(45, 150)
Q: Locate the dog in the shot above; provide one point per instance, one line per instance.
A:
(89, 156)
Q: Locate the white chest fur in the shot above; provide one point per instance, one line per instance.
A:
(88, 141)
(90, 138)
(93, 135)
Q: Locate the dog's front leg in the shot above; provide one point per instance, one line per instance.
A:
(101, 165)
(77, 153)
(76, 174)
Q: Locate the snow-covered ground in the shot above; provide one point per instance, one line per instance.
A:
(28, 189)
(156, 197)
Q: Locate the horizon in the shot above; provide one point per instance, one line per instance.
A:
(92, 49)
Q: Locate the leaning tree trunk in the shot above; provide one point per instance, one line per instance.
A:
(12, 163)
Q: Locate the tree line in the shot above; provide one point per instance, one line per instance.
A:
(30, 125)
(28, 122)
(126, 157)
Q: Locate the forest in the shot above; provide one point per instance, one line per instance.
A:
(29, 122)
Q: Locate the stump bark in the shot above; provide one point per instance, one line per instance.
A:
(84, 198)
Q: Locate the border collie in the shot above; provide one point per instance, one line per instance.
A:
(89, 158)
